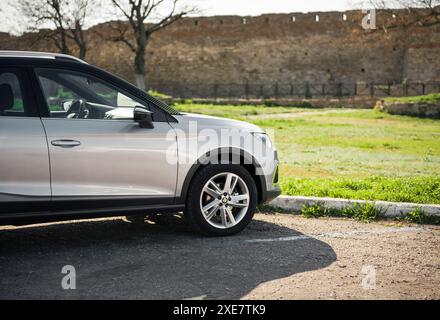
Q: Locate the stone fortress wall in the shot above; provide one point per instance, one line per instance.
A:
(275, 53)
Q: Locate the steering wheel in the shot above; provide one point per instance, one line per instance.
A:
(78, 110)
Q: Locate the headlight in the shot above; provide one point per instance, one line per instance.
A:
(264, 138)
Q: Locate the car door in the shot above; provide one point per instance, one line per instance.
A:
(24, 159)
(97, 151)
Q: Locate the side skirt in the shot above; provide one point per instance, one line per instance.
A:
(68, 208)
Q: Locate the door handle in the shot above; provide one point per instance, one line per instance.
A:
(65, 143)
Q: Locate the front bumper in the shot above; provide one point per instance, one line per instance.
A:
(271, 190)
(270, 195)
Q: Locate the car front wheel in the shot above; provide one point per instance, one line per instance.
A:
(221, 200)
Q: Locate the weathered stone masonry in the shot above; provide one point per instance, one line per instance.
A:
(228, 53)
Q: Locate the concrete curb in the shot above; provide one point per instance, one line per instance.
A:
(391, 209)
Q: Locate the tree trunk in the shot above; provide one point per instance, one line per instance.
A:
(82, 46)
(78, 37)
(64, 49)
(140, 81)
(82, 52)
(139, 62)
(64, 46)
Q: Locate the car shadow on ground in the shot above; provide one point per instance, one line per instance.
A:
(162, 259)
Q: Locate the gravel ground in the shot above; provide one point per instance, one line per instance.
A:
(277, 257)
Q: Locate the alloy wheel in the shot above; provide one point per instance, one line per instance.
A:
(224, 200)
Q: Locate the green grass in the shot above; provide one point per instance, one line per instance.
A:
(399, 189)
(362, 212)
(429, 98)
(367, 212)
(355, 154)
(18, 105)
(236, 112)
(157, 94)
(420, 217)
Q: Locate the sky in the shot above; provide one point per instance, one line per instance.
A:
(205, 8)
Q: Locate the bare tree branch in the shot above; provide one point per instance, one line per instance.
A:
(121, 29)
(65, 18)
(137, 12)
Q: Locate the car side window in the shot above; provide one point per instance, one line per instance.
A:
(75, 95)
(11, 98)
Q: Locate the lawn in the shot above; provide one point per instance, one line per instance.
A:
(236, 112)
(429, 98)
(356, 154)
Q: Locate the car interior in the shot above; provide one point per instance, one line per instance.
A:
(7, 98)
(75, 96)
(11, 103)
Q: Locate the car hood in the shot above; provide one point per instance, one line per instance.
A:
(217, 122)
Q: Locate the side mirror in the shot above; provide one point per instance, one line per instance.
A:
(144, 117)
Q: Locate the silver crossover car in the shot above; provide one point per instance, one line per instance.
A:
(76, 141)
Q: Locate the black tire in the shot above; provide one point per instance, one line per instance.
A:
(193, 212)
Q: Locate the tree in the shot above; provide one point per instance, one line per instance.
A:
(62, 20)
(137, 12)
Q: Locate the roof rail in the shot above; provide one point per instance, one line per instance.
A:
(37, 55)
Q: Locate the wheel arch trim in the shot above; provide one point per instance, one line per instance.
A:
(208, 157)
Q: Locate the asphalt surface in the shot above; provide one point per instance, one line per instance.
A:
(276, 257)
